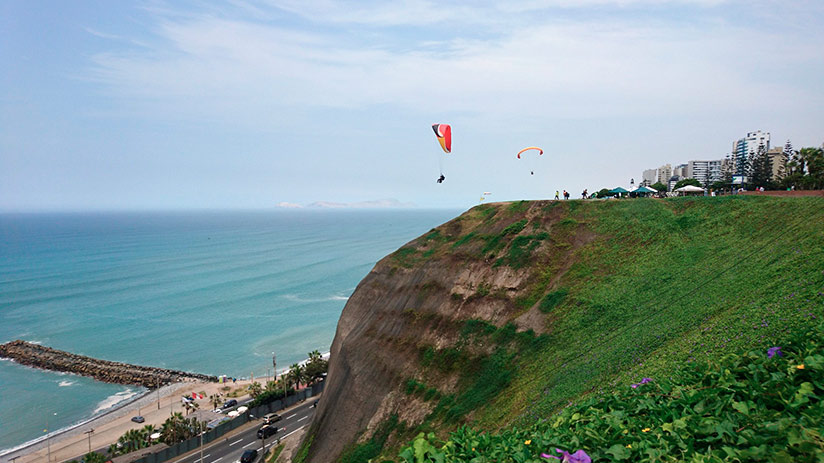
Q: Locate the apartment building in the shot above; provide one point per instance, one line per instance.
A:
(742, 147)
(705, 172)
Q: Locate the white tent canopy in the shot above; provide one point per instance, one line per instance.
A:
(689, 189)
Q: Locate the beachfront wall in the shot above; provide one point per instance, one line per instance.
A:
(164, 454)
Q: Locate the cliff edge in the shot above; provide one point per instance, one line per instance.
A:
(513, 310)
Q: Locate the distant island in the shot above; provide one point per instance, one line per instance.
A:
(374, 204)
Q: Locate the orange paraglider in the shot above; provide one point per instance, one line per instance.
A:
(540, 151)
(444, 134)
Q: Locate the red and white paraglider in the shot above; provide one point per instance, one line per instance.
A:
(444, 134)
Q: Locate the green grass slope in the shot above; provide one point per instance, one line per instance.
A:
(623, 290)
(734, 408)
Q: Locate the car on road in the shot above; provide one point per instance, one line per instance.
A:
(138, 419)
(248, 456)
(266, 431)
(270, 418)
(229, 403)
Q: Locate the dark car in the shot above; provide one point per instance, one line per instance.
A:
(138, 419)
(248, 456)
(230, 403)
(266, 431)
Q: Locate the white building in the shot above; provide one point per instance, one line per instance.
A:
(705, 172)
(680, 170)
(649, 177)
(664, 173)
(742, 147)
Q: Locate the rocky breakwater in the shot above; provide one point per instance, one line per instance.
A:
(46, 358)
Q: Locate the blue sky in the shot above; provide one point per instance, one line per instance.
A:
(247, 104)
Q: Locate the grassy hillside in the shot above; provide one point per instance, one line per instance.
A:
(763, 405)
(610, 292)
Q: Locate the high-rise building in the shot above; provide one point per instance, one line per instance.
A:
(680, 170)
(664, 173)
(649, 177)
(778, 163)
(705, 172)
(742, 147)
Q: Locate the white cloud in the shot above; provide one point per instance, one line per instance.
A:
(557, 69)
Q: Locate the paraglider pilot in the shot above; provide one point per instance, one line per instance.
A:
(441, 179)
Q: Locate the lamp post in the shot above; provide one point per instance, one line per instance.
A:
(48, 436)
(89, 433)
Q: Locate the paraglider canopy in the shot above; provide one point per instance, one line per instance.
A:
(540, 151)
(444, 134)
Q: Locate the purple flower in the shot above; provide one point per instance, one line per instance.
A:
(578, 457)
(646, 380)
(773, 351)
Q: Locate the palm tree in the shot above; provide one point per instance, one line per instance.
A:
(295, 375)
(190, 406)
(255, 389)
(215, 400)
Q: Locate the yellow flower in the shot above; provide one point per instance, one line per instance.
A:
(800, 367)
(645, 430)
(527, 442)
(626, 431)
(473, 449)
(629, 446)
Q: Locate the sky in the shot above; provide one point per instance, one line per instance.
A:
(241, 104)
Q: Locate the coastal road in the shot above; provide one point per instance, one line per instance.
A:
(228, 449)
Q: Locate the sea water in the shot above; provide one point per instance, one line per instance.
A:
(208, 292)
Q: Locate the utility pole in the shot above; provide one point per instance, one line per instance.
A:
(274, 367)
(89, 433)
(48, 436)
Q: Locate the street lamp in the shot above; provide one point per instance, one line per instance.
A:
(89, 433)
(48, 436)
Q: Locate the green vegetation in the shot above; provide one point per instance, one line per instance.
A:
(370, 449)
(552, 299)
(275, 453)
(629, 289)
(738, 407)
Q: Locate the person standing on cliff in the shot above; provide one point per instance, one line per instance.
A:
(566, 194)
(556, 195)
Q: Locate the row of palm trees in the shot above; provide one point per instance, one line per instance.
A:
(314, 370)
(308, 374)
(176, 428)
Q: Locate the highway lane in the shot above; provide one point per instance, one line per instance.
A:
(228, 449)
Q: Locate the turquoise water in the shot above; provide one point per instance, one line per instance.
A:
(211, 292)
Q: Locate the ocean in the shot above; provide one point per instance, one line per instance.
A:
(209, 292)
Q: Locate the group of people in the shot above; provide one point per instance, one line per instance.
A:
(584, 194)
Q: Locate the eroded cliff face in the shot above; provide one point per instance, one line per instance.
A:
(479, 266)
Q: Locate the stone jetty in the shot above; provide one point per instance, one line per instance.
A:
(46, 358)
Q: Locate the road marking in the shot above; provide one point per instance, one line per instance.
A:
(301, 419)
(215, 461)
(250, 443)
(235, 442)
(296, 430)
(290, 416)
(204, 456)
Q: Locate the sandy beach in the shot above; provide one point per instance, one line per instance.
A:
(155, 407)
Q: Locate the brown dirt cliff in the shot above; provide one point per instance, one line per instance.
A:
(478, 266)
